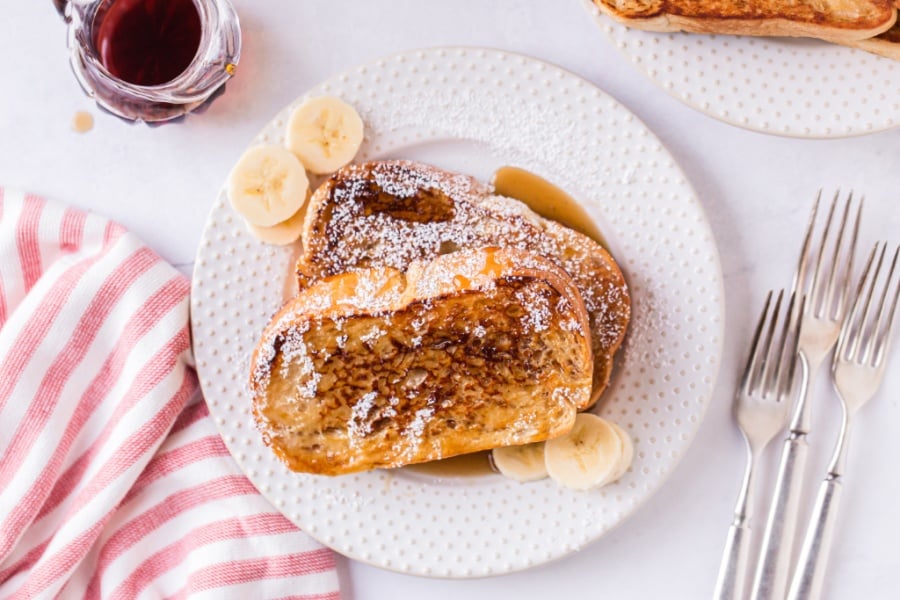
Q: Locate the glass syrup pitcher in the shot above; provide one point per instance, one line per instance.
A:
(152, 60)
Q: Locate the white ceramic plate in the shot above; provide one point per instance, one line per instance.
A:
(786, 86)
(473, 110)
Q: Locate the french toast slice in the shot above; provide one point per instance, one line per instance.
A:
(839, 21)
(391, 213)
(887, 44)
(377, 368)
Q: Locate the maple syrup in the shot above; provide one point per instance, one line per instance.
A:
(546, 199)
(464, 465)
(147, 42)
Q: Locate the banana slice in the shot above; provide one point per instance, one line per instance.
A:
(627, 453)
(267, 185)
(282, 234)
(586, 457)
(325, 133)
(520, 463)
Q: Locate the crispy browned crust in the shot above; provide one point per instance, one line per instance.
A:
(832, 20)
(390, 213)
(475, 350)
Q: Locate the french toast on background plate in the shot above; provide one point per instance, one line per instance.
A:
(376, 368)
(391, 213)
(840, 21)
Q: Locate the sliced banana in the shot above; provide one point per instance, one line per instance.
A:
(325, 133)
(521, 463)
(268, 185)
(281, 234)
(586, 457)
(627, 453)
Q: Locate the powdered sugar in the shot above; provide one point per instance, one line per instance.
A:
(394, 213)
(516, 131)
(416, 428)
(537, 314)
(655, 322)
(360, 426)
(373, 334)
(412, 182)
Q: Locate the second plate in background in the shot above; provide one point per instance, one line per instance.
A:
(786, 86)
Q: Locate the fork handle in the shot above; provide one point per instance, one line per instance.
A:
(810, 573)
(771, 579)
(730, 582)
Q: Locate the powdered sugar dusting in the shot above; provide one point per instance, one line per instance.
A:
(411, 182)
(367, 229)
(373, 334)
(416, 427)
(517, 132)
(360, 426)
(538, 313)
(649, 331)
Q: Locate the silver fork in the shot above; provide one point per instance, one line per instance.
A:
(826, 298)
(857, 371)
(761, 409)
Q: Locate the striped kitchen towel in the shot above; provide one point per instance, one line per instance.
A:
(114, 482)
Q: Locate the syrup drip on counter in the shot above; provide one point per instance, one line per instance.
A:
(546, 199)
(82, 122)
(148, 42)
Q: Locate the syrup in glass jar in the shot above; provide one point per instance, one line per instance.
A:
(152, 60)
(148, 42)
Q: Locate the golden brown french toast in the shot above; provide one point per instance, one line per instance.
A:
(377, 368)
(833, 20)
(391, 213)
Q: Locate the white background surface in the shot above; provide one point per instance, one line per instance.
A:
(756, 190)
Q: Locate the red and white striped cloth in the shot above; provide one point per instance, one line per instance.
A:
(114, 482)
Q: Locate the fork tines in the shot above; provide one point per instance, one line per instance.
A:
(770, 365)
(831, 295)
(866, 333)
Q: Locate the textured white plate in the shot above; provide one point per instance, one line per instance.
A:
(473, 110)
(785, 86)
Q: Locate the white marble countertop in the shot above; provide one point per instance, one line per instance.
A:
(756, 189)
